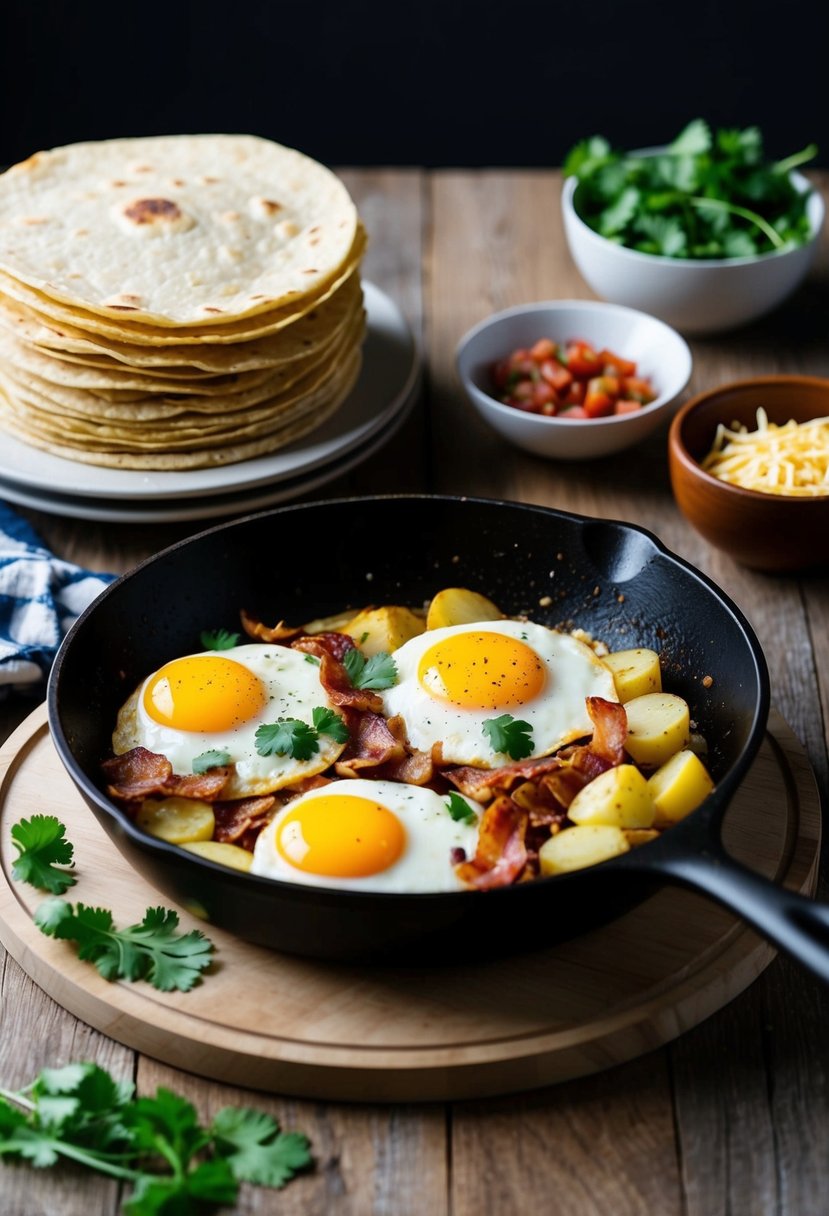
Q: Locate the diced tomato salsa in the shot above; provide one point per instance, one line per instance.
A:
(570, 380)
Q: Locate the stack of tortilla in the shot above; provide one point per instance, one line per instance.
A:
(175, 302)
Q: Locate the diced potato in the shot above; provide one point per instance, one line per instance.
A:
(637, 836)
(177, 820)
(376, 629)
(329, 624)
(225, 854)
(459, 606)
(575, 848)
(635, 672)
(618, 798)
(678, 787)
(658, 727)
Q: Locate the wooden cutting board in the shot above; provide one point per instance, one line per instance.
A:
(303, 1027)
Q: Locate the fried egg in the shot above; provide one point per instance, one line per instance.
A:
(216, 701)
(367, 836)
(450, 681)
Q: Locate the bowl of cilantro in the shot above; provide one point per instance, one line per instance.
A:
(704, 233)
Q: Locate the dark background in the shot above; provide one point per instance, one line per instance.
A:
(437, 84)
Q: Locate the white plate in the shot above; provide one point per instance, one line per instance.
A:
(390, 371)
(180, 509)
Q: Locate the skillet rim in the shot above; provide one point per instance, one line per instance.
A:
(700, 821)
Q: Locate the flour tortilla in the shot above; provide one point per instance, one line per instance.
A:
(175, 230)
(205, 457)
(214, 331)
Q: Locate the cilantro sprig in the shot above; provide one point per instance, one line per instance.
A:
(40, 843)
(151, 950)
(212, 759)
(707, 195)
(218, 639)
(378, 672)
(157, 1144)
(459, 809)
(510, 736)
(300, 740)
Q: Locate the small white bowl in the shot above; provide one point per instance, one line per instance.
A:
(697, 295)
(659, 352)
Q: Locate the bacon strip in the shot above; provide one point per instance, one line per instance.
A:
(334, 678)
(501, 854)
(140, 773)
(263, 633)
(234, 819)
(482, 784)
(337, 644)
(610, 729)
(371, 744)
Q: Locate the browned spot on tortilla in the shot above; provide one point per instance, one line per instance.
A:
(207, 308)
(313, 270)
(149, 210)
(123, 307)
(316, 228)
(258, 296)
(315, 241)
(118, 183)
(269, 205)
(178, 182)
(211, 181)
(35, 219)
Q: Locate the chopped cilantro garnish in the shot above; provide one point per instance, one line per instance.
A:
(380, 671)
(459, 809)
(211, 759)
(327, 722)
(510, 736)
(218, 639)
(291, 737)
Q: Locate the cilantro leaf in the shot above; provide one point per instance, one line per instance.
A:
(380, 671)
(509, 735)
(328, 722)
(211, 759)
(459, 809)
(255, 1149)
(151, 950)
(40, 841)
(287, 737)
(155, 1143)
(218, 639)
(619, 214)
(693, 140)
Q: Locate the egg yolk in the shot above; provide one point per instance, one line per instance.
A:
(481, 670)
(204, 693)
(341, 836)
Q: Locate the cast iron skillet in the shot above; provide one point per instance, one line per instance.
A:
(298, 562)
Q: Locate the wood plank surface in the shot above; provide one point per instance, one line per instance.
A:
(732, 1117)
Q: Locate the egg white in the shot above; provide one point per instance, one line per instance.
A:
(293, 690)
(424, 864)
(557, 715)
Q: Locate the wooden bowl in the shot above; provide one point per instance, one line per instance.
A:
(763, 531)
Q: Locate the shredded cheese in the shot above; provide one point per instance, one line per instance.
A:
(792, 459)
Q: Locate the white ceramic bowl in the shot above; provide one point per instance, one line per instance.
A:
(696, 295)
(659, 352)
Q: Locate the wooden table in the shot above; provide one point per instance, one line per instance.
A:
(733, 1116)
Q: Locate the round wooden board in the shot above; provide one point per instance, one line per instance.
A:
(302, 1027)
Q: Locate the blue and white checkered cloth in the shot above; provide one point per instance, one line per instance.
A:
(40, 597)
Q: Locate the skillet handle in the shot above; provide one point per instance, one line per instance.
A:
(795, 924)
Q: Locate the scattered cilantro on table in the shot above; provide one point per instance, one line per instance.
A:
(40, 842)
(510, 736)
(151, 950)
(292, 737)
(706, 195)
(157, 1144)
(380, 671)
